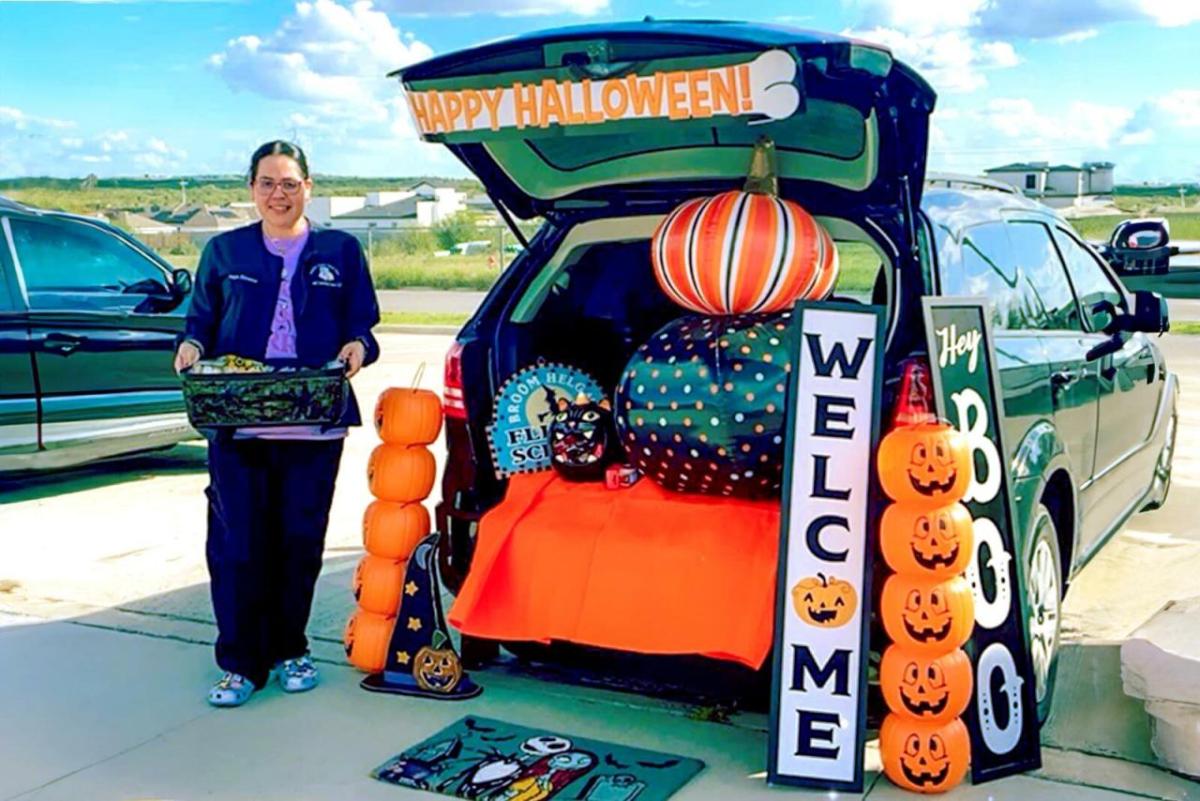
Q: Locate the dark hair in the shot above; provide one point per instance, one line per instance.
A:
(278, 148)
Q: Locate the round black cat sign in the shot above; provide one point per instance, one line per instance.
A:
(526, 405)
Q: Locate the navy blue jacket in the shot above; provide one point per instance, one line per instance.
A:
(237, 288)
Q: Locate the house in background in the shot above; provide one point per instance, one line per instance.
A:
(422, 205)
(1061, 185)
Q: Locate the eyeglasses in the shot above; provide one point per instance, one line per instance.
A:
(265, 186)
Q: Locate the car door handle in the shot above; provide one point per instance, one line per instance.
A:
(1062, 379)
(59, 343)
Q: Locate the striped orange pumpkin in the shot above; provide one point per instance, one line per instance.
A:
(743, 252)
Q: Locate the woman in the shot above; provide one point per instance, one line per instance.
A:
(287, 294)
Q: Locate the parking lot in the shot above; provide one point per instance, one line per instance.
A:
(120, 547)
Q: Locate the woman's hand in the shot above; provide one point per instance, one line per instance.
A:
(187, 355)
(353, 354)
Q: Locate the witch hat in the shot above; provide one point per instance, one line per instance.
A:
(421, 659)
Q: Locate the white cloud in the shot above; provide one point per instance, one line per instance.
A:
(509, 8)
(329, 63)
(1077, 36)
(920, 18)
(36, 145)
(990, 20)
(951, 61)
(1182, 107)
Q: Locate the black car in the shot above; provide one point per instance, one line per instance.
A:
(88, 322)
(1089, 401)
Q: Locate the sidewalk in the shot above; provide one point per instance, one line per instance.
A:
(92, 712)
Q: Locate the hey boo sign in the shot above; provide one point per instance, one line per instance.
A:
(823, 589)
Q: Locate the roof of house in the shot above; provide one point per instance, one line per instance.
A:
(399, 209)
(1020, 166)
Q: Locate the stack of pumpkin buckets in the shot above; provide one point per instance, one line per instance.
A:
(400, 474)
(927, 607)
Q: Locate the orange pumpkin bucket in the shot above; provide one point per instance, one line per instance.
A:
(392, 530)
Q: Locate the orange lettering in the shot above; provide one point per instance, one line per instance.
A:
(699, 94)
(472, 106)
(525, 104)
(437, 115)
(491, 99)
(614, 110)
(416, 103)
(454, 109)
(573, 117)
(724, 90)
(590, 115)
(551, 104)
(647, 95)
(676, 98)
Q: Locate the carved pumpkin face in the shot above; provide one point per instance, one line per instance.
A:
(925, 615)
(927, 463)
(437, 670)
(934, 689)
(924, 757)
(933, 541)
(824, 601)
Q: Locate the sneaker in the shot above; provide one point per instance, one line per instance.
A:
(297, 675)
(233, 689)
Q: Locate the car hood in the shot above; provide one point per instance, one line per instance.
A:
(635, 114)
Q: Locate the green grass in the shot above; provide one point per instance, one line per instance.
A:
(859, 265)
(424, 318)
(1183, 225)
(447, 272)
(1186, 327)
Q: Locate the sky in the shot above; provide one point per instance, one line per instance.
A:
(126, 88)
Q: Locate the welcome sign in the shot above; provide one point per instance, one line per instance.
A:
(763, 86)
(818, 708)
(1003, 720)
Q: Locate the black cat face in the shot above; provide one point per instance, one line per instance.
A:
(579, 438)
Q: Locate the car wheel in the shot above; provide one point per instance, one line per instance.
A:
(1162, 468)
(1044, 592)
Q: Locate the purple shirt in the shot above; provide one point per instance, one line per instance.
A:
(281, 343)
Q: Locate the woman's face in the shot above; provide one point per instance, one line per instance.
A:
(276, 175)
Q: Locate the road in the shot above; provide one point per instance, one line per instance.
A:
(429, 300)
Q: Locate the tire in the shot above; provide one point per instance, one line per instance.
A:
(1162, 468)
(1044, 595)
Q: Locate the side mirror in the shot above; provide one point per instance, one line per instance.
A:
(1150, 314)
(181, 283)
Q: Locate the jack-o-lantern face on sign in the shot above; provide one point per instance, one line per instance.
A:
(927, 463)
(924, 757)
(824, 601)
(934, 689)
(437, 670)
(926, 615)
(933, 541)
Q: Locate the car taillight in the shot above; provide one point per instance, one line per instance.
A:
(454, 405)
(914, 401)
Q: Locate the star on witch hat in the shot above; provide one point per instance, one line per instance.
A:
(421, 659)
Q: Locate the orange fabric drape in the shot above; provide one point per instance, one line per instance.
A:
(641, 569)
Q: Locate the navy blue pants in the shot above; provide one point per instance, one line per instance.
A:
(268, 508)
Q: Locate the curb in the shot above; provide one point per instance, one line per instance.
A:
(403, 328)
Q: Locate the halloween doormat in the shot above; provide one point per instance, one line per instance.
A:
(490, 760)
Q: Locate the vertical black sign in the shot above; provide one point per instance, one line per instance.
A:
(1003, 719)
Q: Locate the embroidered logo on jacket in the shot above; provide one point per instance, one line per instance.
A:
(249, 279)
(324, 274)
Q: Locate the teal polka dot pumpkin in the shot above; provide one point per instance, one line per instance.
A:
(700, 406)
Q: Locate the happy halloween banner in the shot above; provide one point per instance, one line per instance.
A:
(762, 87)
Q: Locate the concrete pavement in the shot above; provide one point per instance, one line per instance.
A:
(106, 652)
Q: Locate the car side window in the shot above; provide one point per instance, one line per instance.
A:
(1047, 288)
(987, 268)
(68, 264)
(1092, 282)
